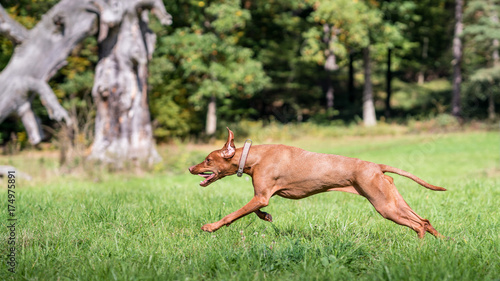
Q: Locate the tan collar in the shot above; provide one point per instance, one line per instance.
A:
(244, 155)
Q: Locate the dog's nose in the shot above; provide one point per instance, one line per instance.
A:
(190, 169)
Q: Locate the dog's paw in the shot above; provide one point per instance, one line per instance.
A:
(210, 227)
(268, 217)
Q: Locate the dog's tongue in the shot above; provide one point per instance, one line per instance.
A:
(205, 175)
(207, 178)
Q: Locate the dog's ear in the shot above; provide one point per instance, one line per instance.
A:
(229, 149)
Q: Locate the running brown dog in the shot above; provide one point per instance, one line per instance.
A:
(294, 173)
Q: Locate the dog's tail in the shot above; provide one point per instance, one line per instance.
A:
(390, 169)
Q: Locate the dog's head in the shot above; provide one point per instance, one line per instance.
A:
(217, 164)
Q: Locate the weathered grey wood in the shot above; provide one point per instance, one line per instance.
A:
(41, 53)
(123, 128)
(11, 28)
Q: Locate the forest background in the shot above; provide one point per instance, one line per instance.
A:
(225, 62)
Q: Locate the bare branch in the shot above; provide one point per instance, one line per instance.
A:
(11, 28)
(157, 8)
(49, 99)
(42, 53)
(31, 122)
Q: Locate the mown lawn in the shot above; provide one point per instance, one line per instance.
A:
(124, 227)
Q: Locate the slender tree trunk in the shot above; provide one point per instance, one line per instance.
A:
(456, 109)
(329, 35)
(350, 86)
(425, 47)
(496, 63)
(123, 130)
(329, 91)
(388, 80)
(369, 118)
(491, 106)
(211, 125)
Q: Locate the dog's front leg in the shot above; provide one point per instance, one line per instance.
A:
(264, 216)
(255, 204)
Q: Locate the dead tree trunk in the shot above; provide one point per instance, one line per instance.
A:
(123, 128)
(41, 52)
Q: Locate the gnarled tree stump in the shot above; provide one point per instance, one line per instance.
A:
(123, 128)
(123, 125)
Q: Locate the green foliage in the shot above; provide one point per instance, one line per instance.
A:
(227, 16)
(426, 25)
(213, 67)
(421, 101)
(483, 68)
(173, 114)
(482, 27)
(355, 24)
(264, 61)
(203, 60)
(6, 49)
(482, 84)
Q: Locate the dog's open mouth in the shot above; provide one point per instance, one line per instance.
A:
(208, 177)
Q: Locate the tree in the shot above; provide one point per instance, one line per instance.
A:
(457, 60)
(123, 128)
(40, 54)
(389, 35)
(212, 67)
(369, 118)
(330, 19)
(346, 25)
(481, 34)
(275, 34)
(43, 51)
(425, 53)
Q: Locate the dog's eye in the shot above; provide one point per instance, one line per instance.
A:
(208, 161)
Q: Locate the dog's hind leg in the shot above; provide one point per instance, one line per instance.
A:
(380, 190)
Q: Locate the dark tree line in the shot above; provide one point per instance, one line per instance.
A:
(221, 62)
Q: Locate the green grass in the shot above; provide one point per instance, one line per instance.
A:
(123, 227)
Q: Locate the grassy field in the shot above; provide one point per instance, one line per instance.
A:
(124, 227)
